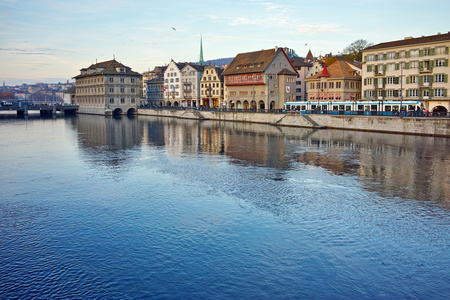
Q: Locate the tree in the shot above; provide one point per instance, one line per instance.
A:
(353, 52)
(7, 95)
(330, 60)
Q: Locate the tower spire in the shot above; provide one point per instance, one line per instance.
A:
(201, 62)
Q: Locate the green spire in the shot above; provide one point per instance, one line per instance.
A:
(201, 62)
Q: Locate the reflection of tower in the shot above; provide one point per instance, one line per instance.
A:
(201, 62)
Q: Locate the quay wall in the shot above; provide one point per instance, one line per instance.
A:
(407, 125)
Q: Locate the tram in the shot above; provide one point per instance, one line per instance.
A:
(385, 108)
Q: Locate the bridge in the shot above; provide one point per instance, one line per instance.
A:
(22, 107)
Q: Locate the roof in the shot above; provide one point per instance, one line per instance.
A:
(299, 62)
(411, 41)
(309, 56)
(252, 62)
(107, 68)
(338, 69)
(287, 72)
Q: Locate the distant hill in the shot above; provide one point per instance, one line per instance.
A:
(219, 61)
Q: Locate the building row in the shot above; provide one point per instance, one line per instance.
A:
(408, 69)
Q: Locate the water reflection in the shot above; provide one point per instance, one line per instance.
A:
(403, 166)
(104, 140)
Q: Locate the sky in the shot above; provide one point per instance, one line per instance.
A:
(51, 40)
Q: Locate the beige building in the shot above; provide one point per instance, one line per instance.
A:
(340, 81)
(212, 87)
(260, 80)
(409, 69)
(108, 88)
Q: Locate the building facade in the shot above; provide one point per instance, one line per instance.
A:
(338, 82)
(108, 88)
(212, 87)
(172, 84)
(191, 75)
(409, 69)
(260, 80)
(302, 68)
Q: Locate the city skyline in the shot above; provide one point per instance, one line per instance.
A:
(51, 40)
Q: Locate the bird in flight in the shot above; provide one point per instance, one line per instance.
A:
(174, 28)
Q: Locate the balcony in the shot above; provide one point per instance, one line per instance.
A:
(379, 73)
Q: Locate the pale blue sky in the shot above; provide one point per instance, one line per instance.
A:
(50, 40)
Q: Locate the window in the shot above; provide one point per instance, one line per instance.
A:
(391, 67)
(380, 56)
(111, 79)
(122, 100)
(426, 93)
(369, 68)
(122, 90)
(370, 57)
(122, 80)
(132, 90)
(439, 78)
(440, 63)
(132, 80)
(439, 92)
(426, 78)
(391, 80)
(413, 79)
(413, 93)
(133, 101)
(111, 90)
(111, 100)
(391, 55)
(414, 53)
(426, 52)
(440, 50)
(413, 64)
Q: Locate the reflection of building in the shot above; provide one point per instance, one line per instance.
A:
(212, 87)
(409, 69)
(339, 81)
(108, 87)
(101, 138)
(260, 80)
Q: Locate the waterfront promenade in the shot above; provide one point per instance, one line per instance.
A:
(427, 125)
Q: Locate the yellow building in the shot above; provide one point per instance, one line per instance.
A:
(409, 69)
(341, 81)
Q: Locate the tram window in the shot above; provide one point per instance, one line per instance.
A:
(366, 107)
(395, 108)
(313, 107)
(341, 107)
(411, 107)
(335, 107)
(387, 108)
(303, 107)
(373, 107)
(324, 107)
(348, 108)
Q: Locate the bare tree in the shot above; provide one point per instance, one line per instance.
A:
(353, 52)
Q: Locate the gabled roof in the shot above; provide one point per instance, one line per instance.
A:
(287, 72)
(299, 62)
(252, 62)
(195, 66)
(309, 57)
(338, 69)
(411, 41)
(107, 68)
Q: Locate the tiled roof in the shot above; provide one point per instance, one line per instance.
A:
(299, 62)
(107, 68)
(286, 72)
(251, 62)
(338, 69)
(411, 41)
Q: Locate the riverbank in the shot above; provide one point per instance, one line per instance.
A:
(407, 125)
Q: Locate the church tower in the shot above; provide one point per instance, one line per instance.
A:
(201, 61)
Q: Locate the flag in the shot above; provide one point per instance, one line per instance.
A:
(164, 88)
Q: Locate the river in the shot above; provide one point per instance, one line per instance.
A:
(161, 208)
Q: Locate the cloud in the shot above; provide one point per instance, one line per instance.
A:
(317, 28)
(34, 51)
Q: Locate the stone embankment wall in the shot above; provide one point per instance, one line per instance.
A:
(406, 125)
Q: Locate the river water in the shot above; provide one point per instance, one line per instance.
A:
(145, 207)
